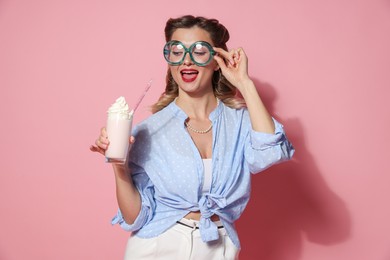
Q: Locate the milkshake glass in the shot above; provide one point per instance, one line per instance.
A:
(118, 127)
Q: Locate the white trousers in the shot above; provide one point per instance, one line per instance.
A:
(181, 242)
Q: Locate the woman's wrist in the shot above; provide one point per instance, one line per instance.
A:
(118, 167)
(120, 171)
(246, 88)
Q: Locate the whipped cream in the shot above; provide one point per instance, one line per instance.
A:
(120, 108)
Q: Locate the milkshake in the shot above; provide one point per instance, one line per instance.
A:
(118, 128)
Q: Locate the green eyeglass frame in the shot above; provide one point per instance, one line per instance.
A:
(189, 51)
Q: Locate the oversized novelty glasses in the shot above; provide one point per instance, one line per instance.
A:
(201, 53)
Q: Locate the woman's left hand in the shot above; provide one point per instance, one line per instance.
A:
(234, 66)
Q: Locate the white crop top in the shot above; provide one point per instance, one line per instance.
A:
(207, 175)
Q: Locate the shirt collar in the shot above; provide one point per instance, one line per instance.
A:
(179, 113)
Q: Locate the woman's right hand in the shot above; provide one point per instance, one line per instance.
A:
(101, 143)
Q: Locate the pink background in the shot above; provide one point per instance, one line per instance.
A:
(322, 67)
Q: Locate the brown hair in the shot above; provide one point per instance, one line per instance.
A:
(223, 90)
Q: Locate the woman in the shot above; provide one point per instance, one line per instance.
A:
(188, 174)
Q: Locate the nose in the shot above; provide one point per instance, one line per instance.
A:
(187, 59)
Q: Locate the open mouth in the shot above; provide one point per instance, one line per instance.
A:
(189, 75)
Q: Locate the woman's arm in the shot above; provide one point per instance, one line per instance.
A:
(128, 196)
(235, 71)
(261, 120)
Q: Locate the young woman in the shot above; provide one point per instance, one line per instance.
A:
(187, 179)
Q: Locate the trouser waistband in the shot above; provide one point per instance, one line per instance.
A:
(194, 224)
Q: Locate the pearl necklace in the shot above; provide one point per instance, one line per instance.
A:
(189, 126)
(198, 131)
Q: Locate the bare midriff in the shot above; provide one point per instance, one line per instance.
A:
(195, 215)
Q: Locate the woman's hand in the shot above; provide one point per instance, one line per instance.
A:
(234, 66)
(102, 143)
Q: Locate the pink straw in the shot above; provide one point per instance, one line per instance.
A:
(143, 95)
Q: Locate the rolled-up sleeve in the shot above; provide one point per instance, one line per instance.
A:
(146, 189)
(263, 149)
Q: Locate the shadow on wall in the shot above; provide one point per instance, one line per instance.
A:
(290, 202)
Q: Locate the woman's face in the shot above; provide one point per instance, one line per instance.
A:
(193, 79)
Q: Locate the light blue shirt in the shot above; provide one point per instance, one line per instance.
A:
(167, 170)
